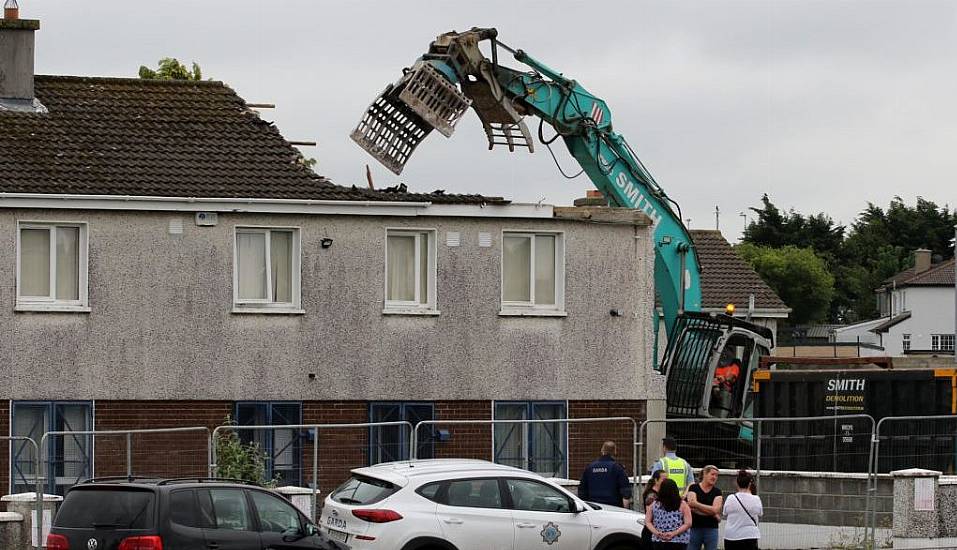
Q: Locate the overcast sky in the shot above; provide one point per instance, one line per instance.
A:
(824, 105)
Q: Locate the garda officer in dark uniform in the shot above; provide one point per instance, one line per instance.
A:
(604, 481)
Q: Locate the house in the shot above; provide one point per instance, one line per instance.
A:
(917, 308)
(166, 261)
(726, 278)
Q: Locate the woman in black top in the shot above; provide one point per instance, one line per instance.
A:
(647, 497)
(706, 502)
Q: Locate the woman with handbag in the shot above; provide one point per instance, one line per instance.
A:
(742, 510)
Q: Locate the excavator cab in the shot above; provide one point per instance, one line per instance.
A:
(709, 362)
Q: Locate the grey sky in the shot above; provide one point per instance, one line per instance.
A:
(824, 105)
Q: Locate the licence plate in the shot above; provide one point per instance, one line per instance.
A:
(338, 536)
(332, 521)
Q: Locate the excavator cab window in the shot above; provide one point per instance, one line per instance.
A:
(731, 376)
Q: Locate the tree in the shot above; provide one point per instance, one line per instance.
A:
(171, 69)
(798, 275)
(238, 460)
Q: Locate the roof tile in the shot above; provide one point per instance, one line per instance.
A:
(726, 278)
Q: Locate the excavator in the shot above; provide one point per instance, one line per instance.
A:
(455, 74)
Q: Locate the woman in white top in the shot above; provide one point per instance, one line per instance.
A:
(742, 510)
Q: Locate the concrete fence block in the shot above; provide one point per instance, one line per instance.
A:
(25, 504)
(11, 529)
(909, 522)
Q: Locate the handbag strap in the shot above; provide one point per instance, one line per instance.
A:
(743, 507)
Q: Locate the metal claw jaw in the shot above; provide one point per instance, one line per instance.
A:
(406, 112)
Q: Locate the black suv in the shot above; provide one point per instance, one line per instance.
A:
(181, 514)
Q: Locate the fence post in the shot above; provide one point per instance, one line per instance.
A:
(129, 454)
(315, 474)
(757, 450)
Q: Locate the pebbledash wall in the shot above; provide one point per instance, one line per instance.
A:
(161, 346)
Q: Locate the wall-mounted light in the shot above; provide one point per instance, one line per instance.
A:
(326, 242)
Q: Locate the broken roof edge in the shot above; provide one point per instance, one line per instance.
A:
(603, 214)
(272, 205)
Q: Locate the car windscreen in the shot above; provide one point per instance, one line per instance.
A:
(119, 508)
(362, 490)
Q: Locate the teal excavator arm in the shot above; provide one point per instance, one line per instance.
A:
(428, 97)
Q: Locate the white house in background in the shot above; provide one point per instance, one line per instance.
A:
(917, 309)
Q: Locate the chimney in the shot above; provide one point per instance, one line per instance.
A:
(593, 197)
(16, 61)
(921, 260)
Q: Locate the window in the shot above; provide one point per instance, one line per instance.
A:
(275, 515)
(282, 446)
(125, 508)
(52, 266)
(183, 509)
(942, 342)
(66, 459)
(230, 510)
(533, 278)
(474, 493)
(538, 447)
(905, 342)
(363, 490)
(391, 443)
(410, 271)
(266, 270)
(533, 496)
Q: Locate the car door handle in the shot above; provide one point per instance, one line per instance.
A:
(453, 521)
(526, 525)
(212, 546)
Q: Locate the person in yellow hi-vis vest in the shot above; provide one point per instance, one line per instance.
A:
(678, 468)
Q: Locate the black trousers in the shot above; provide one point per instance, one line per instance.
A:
(745, 544)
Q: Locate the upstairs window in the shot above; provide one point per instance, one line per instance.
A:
(905, 342)
(267, 269)
(52, 266)
(533, 277)
(410, 271)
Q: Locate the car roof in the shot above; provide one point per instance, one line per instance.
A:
(159, 483)
(421, 471)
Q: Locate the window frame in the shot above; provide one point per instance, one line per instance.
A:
(442, 495)
(269, 446)
(530, 308)
(50, 464)
(572, 505)
(943, 342)
(267, 305)
(250, 493)
(905, 342)
(415, 307)
(405, 446)
(51, 303)
(527, 435)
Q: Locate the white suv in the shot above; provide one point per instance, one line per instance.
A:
(469, 505)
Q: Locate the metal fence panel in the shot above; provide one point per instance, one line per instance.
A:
(320, 455)
(15, 450)
(831, 505)
(541, 445)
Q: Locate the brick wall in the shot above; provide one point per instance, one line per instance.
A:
(585, 439)
(5, 454)
(162, 455)
(467, 441)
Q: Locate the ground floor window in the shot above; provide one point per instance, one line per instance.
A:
(391, 443)
(942, 342)
(282, 446)
(538, 447)
(64, 459)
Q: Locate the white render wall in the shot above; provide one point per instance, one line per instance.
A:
(932, 312)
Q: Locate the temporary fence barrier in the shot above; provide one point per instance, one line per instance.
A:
(903, 442)
(290, 449)
(596, 438)
(37, 474)
(819, 445)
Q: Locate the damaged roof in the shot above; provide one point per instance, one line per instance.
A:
(164, 138)
(726, 278)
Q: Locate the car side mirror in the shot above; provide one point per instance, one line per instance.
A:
(578, 507)
(311, 530)
(293, 534)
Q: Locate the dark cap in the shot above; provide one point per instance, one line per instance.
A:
(669, 443)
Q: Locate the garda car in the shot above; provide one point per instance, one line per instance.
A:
(469, 505)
